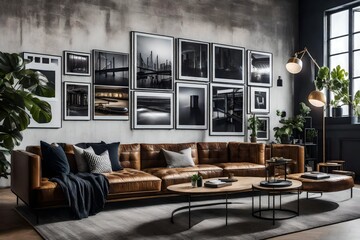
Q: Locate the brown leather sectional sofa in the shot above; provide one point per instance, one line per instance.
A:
(145, 172)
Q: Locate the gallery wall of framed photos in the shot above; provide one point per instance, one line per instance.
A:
(164, 83)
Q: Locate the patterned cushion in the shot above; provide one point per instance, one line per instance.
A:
(98, 163)
(81, 163)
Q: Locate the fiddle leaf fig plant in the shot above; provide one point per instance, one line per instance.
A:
(336, 82)
(18, 90)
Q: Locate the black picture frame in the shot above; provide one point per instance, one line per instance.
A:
(228, 64)
(111, 103)
(259, 100)
(227, 109)
(152, 110)
(77, 63)
(193, 60)
(110, 68)
(263, 132)
(50, 66)
(152, 61)
(191, 106)
(77, 104)
(260, 68)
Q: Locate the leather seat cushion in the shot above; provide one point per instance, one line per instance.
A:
(48, 194)
(171, 176)
(243, 169)
(131, 180)
(335, 183)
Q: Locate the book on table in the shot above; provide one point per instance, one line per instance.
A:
(315, 175)
(216, 183)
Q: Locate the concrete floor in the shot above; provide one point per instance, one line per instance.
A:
(12, 226)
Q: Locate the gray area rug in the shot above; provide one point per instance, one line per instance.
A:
(150, 219)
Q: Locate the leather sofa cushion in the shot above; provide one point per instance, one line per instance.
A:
(243, 169)
(131, 180)
(170, 176)
(48, 194)
(152, 156)
(129, 155)
(247, 152)
(212, 152)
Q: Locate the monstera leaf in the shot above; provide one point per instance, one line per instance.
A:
(18, 90)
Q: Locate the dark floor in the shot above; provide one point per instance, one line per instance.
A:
(12, 226)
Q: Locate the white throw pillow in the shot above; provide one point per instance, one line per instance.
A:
(81, 163)
(179, 159)
(98, 163)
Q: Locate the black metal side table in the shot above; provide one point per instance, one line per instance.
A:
(273, 210)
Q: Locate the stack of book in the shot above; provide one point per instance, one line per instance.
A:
(315, 175)
(216, 183)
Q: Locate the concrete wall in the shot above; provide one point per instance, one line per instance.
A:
(51, 26)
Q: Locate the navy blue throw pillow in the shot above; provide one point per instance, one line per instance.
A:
(113, 149)
(84, 145)
(54, 160)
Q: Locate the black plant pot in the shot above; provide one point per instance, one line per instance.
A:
(285, 139)
(336, 111)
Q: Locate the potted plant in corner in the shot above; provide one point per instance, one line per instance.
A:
(337, 83)
(254, 124)
(18, 87)
(284, 133)
(356, 107)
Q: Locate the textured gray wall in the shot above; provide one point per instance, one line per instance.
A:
(51, 26)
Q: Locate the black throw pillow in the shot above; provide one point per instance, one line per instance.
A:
(54, 161)
(113, 149)
(84, 145)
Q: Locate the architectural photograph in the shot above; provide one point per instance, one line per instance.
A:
(180, 120)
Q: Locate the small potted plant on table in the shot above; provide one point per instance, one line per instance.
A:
(196, 180)
(254, 124)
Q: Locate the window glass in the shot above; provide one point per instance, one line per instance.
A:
(357, 19)
(357, 40)
(341, 59)
(339, 45)
(339, 23)
(356, 65)
(356, 85)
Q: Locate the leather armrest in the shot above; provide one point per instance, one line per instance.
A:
(25, 174)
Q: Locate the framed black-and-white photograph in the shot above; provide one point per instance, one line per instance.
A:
(228, 64)
(77, 63)
(191, 106)
(77, 101)
(227, 109)
(152, 61)
(259, 100)
(110, 68)
(111, 103)
(50, 66)
(259, 69)
(193, 60)
(264, 129)
(153, 110)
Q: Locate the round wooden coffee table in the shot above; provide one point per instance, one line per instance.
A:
(244, 184)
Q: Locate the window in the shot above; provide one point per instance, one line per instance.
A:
(343, 44)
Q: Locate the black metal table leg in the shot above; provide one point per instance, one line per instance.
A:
(260, 202)
(298, 202)
(189, 211)
(273, 209)
(280, 200)
(226, 209)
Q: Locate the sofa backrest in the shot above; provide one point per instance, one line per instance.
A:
(129, 155)
(152, 156)
(247, 152)
(291, 151)
(212, 152)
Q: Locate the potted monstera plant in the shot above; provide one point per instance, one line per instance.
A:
(18, 90)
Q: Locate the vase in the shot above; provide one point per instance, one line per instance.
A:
(193, 183)
(253, 139)
(336, 111)
(285, 139)
(199, 182)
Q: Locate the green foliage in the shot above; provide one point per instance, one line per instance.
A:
(18, 87)
(253, 124)
(336, 82)
(195, 177)
(356, 103)
(292, 123)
